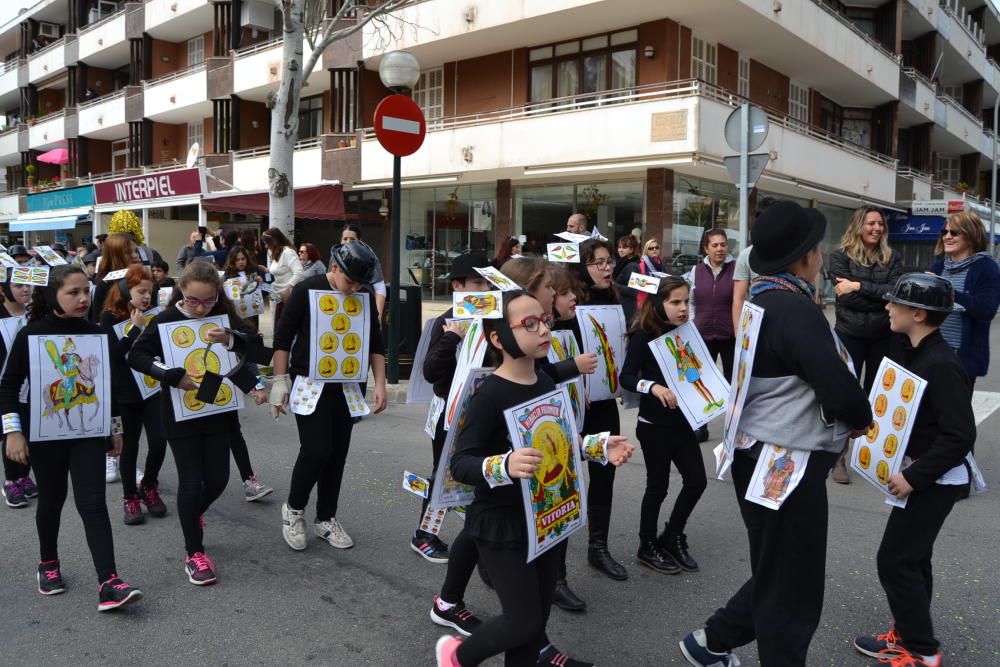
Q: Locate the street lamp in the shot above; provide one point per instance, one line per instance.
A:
(399, 72)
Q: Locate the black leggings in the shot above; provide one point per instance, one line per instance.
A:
(601, 416)
(136, 417)
(12, 470)
(83, 461)
(238, 446)
(324, 439)
(725, 349)
(662, 445)
(202, 474)
(525, 591)
(866, 354)
(462, 559)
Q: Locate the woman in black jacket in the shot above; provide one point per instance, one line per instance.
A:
(863, 268)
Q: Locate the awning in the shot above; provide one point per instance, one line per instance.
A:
(41, 221)
(320, 202)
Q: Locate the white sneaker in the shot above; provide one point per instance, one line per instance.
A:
(111, 473)
(293, 527)
(334, 533)
(138, 476)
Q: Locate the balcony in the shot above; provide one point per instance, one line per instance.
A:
(177, 97)
(8, 77)
(250, 166)
(103, 44)
(103, 118)
(962, 125)
(47, 131)
(912, 184)
(9, 206)
(50, 60)
(676, 124)
(257, 70)
(177, 20)
(916, 92)
(9, 152)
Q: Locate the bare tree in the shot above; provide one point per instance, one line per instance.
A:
(309, 21)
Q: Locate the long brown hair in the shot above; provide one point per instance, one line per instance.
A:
(527, 272)
(648, 319)
(854, 247)
(205, 272)
(564, 280)
(116, 304)
(116, 254)
(588, 249)
(275, 239)
(230, 267)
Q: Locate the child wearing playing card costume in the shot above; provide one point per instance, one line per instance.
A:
(496, 519)
(942, 436)
(128, 301)
(18, 486)
(799, 388)
(200, 444)
(57, 313)
(664, 433)
(325, 432)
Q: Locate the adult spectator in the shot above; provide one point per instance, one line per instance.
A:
(352, 232)
(90, 94)
(651, 257)
(227, 239)
(283, 264)
(863, 269)
(712, 297)
(577, 224)
(743, 274)
(312, 264)
(510, 247)
(187, 252)
(974, 275)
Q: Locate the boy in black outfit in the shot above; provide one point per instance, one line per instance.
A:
(942, 435)
(439, 369)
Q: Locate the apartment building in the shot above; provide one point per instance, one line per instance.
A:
(614, 108)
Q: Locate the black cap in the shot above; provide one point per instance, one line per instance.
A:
(356, 260)
(91, 257)
(924, 290)
(783, 234)
(464, 266)
(59, 247)
(18, 249)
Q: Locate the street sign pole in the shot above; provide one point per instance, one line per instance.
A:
(743, 185)
(394, 323)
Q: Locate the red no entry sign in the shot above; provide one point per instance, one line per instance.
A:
(399, 125)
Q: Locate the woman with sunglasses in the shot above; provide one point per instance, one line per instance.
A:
(652, 259)
(312, 265)
(200, 445)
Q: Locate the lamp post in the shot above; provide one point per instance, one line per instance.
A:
(399, 72)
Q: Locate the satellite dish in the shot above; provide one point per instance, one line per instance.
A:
(193, 154)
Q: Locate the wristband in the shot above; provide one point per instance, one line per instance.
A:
(116, 426)
(260, 384)
(11, 423)
(644, 386)
(495, 470)
(595, 447)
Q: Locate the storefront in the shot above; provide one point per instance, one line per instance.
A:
(62, 216)
(915, 234)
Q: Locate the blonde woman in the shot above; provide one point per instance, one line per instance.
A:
(862, 269)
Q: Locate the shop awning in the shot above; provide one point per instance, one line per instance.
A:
(48, 220)
(321, 202)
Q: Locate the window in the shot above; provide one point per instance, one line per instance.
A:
(429, 93)
(704, 59)
(798, 101)
(857, 127)
(954, 92)
(311, 117)
(584, 66)
(344, 84)
(196, 50)
(949, 170)
(119, 154)
(831, 116)
(196, 135)
(743, 78)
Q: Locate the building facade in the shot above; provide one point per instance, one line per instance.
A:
(613, 108)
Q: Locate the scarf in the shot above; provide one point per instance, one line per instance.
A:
(782, 281)
(954, 267)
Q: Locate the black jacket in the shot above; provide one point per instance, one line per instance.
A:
(945, 426)
(440, 362)
(640, 364)
(121, 374)
(862, 314)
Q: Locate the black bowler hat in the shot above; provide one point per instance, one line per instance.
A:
(784, 233)
(465, 265)
(922, 290)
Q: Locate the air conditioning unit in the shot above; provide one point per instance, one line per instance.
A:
(50, 30)
(257, 15)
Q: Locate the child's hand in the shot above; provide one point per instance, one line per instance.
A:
(259, 396)
(619, 450)
(17, 448)
(666, 396)
(454, 327)
(217, 335)
(586, 363)
(187, 384)
(137, 318)
(524, 463)
(863, 431)
(899, 487)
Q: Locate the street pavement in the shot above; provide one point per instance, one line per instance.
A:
(369, 605)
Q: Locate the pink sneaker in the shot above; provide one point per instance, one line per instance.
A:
(446, 650)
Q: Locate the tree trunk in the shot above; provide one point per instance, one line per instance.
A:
(285, 119)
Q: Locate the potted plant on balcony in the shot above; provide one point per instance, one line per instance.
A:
(962, 187)
(31, 170)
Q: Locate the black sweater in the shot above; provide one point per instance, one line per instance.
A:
(945, 426)
(121, 374)
(17, 369)
(640, 364)
(149, 347)
(497, 514)
(441, 360)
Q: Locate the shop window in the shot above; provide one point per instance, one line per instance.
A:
(704, 60)
(311, 117)
(196, 50)
(584, 67)
(798, 101)
(429, 93)
(743, 78)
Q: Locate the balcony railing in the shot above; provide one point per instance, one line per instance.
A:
(50, 116)
(101, 100)
(856, 30)
(659, 91)
(177, 74)
(103, 176)
(951, 101)
(917, 75)
(48, 47)
(101, 21)
(256, 48)
(258, 151)
(10, 65)
(955, 9)
(910, 172)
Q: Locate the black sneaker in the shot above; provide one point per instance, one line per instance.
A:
(879, 645)
(458, 617)
(50, 581)
(655, 558)
(114, 593)
(429, 547)
(551, 656)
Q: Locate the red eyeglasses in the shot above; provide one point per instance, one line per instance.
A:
(531, 322)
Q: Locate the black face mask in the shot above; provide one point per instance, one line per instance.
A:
(507, 340)
(660, 310)
(50, 298)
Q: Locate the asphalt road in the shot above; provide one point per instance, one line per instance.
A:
(369, 605)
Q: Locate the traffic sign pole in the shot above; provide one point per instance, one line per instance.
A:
(744, 174)
(394, 323)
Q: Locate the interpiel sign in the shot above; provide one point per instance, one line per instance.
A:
(165, 184)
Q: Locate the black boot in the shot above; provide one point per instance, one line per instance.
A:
(702, 434)
(565, 598)
(676, 546)
(652, 556)
(597, 549)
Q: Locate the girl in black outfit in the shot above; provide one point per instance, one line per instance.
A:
(595, 267)
(485, 460)
(664, 434)
(200, 445)
(18, 486)
(60, 309)
(128, 301)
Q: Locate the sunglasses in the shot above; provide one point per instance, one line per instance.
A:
(654, 247)
(194, 303)
(950, 232)
(531, 323)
